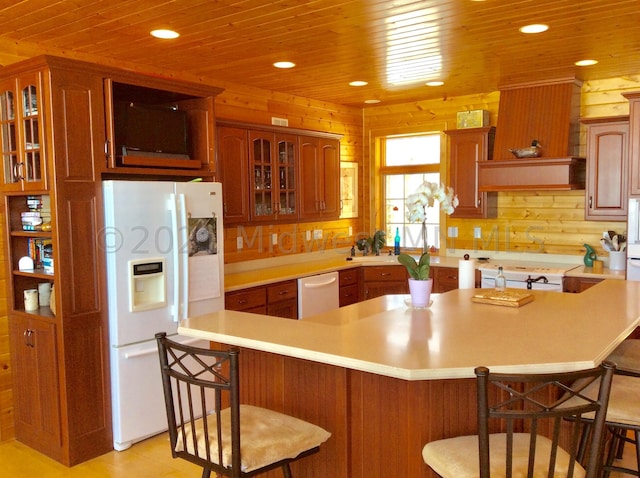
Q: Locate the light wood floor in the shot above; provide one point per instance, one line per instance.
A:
(149, 458)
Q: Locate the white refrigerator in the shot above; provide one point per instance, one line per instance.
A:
(164, 253)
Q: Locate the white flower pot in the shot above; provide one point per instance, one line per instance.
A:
(420, 291)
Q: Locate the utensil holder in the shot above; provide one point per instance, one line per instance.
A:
(617, 260)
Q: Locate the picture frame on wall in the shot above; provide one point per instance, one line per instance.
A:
(348, 189)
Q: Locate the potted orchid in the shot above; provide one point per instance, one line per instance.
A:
(426, 196)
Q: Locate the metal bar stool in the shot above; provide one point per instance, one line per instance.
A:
(623, 415)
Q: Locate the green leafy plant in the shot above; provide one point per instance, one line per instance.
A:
(417, 270)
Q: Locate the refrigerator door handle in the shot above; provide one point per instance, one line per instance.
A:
(173, 208)
(180, 228)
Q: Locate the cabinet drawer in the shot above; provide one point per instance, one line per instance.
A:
(348, 277)
(246, 299)
(282, 291)
(385, 273)
(349, 294)
(446, 279)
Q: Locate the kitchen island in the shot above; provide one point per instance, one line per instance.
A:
(385, 378)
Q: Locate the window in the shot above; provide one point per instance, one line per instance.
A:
(407, 161)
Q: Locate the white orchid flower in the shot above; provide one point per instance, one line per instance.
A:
(425, 196)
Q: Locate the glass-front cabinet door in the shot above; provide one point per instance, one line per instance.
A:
(260, 154)
(272, 159)
(10, 161)
(21, 127)
(286, 205)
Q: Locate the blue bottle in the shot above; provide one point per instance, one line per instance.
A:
(396, 242)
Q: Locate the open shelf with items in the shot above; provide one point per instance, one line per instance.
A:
(30, 251)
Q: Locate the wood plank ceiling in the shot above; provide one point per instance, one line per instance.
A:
(473, 46)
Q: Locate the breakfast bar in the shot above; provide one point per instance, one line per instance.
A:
(385, 378)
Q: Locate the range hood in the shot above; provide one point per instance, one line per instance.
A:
(548, 112)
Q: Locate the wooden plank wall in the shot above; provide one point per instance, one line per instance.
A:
(556, 218)
(546, 222)
(255, 106)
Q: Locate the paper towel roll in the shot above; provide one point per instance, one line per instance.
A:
(466, 274)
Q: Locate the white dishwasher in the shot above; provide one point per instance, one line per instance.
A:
(317, 294)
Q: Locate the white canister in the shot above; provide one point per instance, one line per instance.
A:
(44, 294)
(617, 260)
(31, 299)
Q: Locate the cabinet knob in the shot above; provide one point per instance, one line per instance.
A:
(590, 202)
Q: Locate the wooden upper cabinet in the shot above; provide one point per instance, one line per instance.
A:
(272, 174)
(634, 143)
(319, 178)
(468, 147)
(233, 167)
(21, 122)
(272, 166)
(607, 168)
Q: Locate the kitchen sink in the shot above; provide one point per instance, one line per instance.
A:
(383, 259)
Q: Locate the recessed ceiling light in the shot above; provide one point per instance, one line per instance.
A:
(371, 102)
(358, 83)
(534, 28)
(435, 83)
(165, 34)
(284, 64)
(586, 62)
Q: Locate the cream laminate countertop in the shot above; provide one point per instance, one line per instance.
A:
(587, 272)
(555, 332)
(265, 272)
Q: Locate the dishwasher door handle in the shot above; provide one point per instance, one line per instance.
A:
(316, 285)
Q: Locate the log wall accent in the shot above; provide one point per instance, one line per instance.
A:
(547, 222)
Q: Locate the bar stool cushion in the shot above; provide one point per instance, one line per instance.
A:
(267, 437)
(457, 457)
(627, 357)
(624, 400)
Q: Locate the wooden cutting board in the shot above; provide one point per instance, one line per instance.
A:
(507, 298)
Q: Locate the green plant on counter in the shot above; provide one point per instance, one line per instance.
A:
(417, 270)
(372, 244)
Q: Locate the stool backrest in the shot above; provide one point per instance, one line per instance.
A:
(196, 380)
(536, 404)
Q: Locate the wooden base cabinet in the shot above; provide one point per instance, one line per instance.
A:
(576, 285)
(349, 280)
(279, 300)
(383, 280)
(34, 352)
